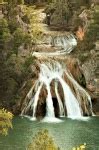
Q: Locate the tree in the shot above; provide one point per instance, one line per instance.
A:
(5, 121)
(12, 2)
(60, 12)
(1, 1)
(42, 141)
(20, 2)
(5, 37)
(93, 32)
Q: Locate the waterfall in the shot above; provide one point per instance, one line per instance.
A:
(72, 105)
(61, 108)
(34, 106)
(65, 44)
(54, 71)
(47, 73)
(49, 104)
(80, 90)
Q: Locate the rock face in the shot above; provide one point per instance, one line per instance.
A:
(91, 72)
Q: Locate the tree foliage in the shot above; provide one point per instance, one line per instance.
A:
(35, 29)
(1, 1)
(92, 33)
(20, 2)
(62, 16)
(5, 121)
(42, 141)
(14, 70)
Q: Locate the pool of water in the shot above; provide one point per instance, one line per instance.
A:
(66, 134)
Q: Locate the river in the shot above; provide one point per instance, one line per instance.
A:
(66, 134)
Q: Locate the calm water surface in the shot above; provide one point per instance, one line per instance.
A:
(66, 134)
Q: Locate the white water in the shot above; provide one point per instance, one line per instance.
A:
(36, 98)
(54, 71)
(65, 44)
(49, 104)
(61, 108)
(80, 91)
(72, 105)
(47, 74)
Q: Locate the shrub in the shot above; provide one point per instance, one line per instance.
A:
(20, 2)
(1, 1)
(5, 35)
(13, 25)
(5, 121)
(18, 39)
(35, 28)
(42, 141)
(19, 36)
(3, 23)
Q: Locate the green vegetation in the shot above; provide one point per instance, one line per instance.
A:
(12, 70)
(1, 1)
(31, 17)
(65, 12)
(15, 38)
(20, 2)
(20, 38)
(5, 121)
(93, 32)
(91, 36)
(59, 17)
(42, 141)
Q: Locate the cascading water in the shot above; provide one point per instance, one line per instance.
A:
(65, 44)
(49, 72)
(72, 105)
(49, 104)
(61, 108)
(54, 71)
(36, 100)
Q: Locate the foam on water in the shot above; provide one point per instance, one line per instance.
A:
(51, 120)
